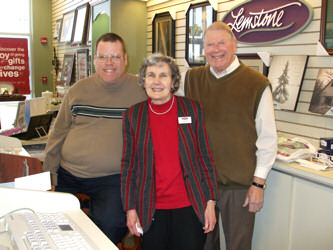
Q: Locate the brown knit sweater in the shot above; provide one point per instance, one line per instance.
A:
(230, 104)
(87, 136)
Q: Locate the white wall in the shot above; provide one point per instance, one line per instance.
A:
(301, 123)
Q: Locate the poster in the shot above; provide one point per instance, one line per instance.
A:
(286, 75)
(14, 63)
(322, 97)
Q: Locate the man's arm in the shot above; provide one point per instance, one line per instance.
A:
(266, 150)
(57, 136)
(267, 136)
(181, 89)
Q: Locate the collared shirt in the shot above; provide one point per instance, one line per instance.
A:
(265, 124)
(233, 66)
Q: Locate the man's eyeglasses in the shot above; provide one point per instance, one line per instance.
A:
(113, 57)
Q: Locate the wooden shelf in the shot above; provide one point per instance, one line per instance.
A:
(11, 98)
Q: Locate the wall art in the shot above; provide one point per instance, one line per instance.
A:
(164, 34)
(286, 76)
(322, 97)
(67, 69)
(81, 24)
(326, 29)
(67, 27)
(254, 62)
(57, 28)
(82, 63)
(198, 18)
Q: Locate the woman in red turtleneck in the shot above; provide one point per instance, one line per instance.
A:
(168, 180)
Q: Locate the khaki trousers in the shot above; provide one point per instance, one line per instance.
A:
(237, 222)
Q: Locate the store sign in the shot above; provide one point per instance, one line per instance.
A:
(14, 63)
(268, 21)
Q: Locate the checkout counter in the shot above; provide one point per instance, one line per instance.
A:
(298, 210)
(12, 158)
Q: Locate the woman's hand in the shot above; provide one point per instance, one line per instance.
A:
(133, 222)
(210, 218)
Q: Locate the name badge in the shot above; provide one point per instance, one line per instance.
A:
(185, 120)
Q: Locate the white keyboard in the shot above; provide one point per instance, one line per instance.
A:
(45, 231)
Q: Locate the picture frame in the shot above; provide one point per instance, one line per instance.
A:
(20, 116)
(89, 27)
(164, 34)
(67, 69)
(66, 34)
(59, 76)
(82, 63)
(57, 28)
(81, 24)
(326, 26)
(286, 75)
(254, 62)
(198, 18)
(100, 23)
(322, 96)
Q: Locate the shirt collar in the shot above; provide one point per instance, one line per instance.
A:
(234, 65)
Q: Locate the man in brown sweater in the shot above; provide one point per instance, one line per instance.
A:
(239, 117)
(84, 148)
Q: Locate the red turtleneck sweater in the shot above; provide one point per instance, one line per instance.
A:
(170, 187)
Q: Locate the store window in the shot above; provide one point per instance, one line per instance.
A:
(14, 23)
(15, 16)
(16, 37)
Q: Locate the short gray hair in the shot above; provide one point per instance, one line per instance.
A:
(157, 59)
(221, 26)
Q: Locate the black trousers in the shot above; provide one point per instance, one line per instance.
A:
(174, 229)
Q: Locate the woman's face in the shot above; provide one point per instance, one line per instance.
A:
(158, 83)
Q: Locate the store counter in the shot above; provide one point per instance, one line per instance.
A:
(298, 209)
(49, 202)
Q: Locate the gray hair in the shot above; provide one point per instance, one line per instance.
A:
(221, 26)
(157, 59)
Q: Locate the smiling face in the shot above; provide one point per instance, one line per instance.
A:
(158, 83)
(219, 49)
(110, 70)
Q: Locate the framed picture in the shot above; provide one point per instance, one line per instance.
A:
(254, 61)
(67, 69)
(89, 26)
(59, 76)
(100, 23)
(67, 27)
(20, 116)
(326, 28)
(57, 28)
(286, 75)
(81, 24)
(164, 34)
(82, 63)
(198, 18)
(322, 97)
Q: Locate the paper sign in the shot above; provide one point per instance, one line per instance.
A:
(40, 181)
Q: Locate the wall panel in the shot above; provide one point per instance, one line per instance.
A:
(301, 123)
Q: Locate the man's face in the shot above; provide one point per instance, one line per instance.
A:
(219, 49)
(110, 62)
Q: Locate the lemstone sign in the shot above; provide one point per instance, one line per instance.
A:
(268, 21)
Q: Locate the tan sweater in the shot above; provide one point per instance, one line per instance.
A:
(86, 139)
(230, 104)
